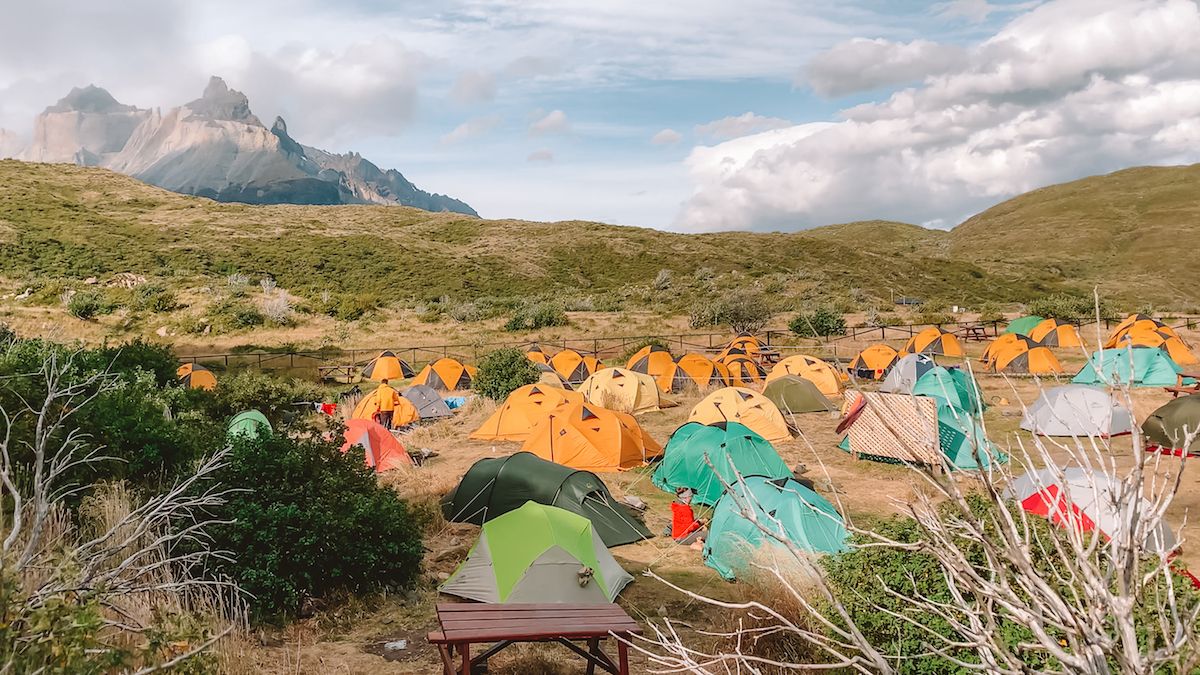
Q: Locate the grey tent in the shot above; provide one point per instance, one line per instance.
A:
(901, 378)
(428, 403)
(794, 394)
(1077, 410)
(496, 485)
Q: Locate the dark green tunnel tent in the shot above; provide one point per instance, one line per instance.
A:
(497, 485)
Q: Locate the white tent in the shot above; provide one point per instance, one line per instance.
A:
(901, 378)
(1079, 411)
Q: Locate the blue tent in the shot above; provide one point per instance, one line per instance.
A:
(707, 457)
(1137, 366)
(954, 387)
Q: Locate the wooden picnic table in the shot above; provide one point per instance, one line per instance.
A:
(975, 332)
(466, 624)
(1181, 388)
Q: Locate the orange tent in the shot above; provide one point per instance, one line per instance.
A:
(741, 405)
(383, 452)
(1025, 358)
(521, 411)
(1173, 345)
(933, 340)
(743, 371)
(742, 345)
(820, 373)
(196, 376)
(1137, 323)
(387, 366)
(694, 370)
(590, 438)
(654, 361)
(1051, 333)
(446, 374)
(404, 414)
(874, 362)
(573, 366)
(1002, 344)
(538, 356)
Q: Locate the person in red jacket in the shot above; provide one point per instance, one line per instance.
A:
(685, 527)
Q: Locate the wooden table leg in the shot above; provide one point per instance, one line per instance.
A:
(593, 647)
(465, 648)
(623, 656)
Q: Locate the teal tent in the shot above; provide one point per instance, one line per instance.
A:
(706, 458)
(955, 387)
(784, 507)
(1137, 366)
(960, 435)
(249, 423)
(1023, 325)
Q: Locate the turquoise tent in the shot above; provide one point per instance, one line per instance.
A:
(700, 457)
(784, 507)
(1137, 366)
(1023, 325)
(952, 386)
(250, 423)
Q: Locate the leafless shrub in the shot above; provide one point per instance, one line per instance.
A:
(278, 309)
(268, 285)
(237, 280)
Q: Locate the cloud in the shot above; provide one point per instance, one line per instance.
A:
(862, 65)
(531, 66)
(1068, 89)
(666, 137)
(472, 128)
(540, 157)
(741, 125)
(474, 86)
(553, 122)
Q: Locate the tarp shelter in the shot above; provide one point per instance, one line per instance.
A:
(1173, 345)
(1170, 426)
(708, 457)
(1137, 366)
(787, 508)
(446, 374)
(934, 341)
(196, 376)
(403, 414)
(1078, 411)
(1088, 501)
(575, 367)
(496, 485)
(744, 406)
(387, 366)
(588, 437)
(820, 373)
(1021, 359)
(874, 362)
(381, 449)
(1053, 333)
(743, 371)
(523, 408)
(952, 385)
(653, 360)
(1023, 325)
(794, 394)
(901, 378)
(695, 370)
(538, 554)
(623, 390)
(249, 423)
(429, 405)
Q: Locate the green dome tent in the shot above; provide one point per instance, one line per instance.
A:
(496, 485)
(953, 386)
(726, 446)
(1137, 366)
(538, 554)
(1023, 325)
(794, 394)
(787, 508)
(250, 423)
(1169, 427)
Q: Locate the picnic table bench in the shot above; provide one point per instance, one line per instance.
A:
(466, 624)
(1181, 388)
(975, 332)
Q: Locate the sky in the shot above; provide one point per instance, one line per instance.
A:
(689, 115)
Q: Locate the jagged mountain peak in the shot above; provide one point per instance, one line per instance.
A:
(219, 102)
(89, 99)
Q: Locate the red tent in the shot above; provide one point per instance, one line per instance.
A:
(383, 452)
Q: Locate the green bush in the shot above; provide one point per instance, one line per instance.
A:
(539, 315)
(821, 322)
(743, 311)
(230, 314)
(642, 344)
(276, 397)
(1066, 306)
(312, 521)
(502, 371)
(87, 305)
(155, 298)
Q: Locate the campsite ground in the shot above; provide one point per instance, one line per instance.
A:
(348, 638)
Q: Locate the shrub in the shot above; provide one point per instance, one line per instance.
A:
(273, 396)
(990, 312)
(642, 344)
(1067, 306)
(233, 315)
(87, 305)
(278, 310)
(332, 527)
(535, 316)
(662, 282)
(502, 371)
(821, 322)
(155, 298)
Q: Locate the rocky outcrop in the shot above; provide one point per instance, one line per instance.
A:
(86, 127)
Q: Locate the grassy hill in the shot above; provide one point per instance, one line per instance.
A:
(69, 222)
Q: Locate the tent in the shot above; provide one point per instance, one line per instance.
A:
(538, 554)
(521, 410)
(1023, 325)
(446, 374)
(708, 457)
(1173, 345)
(1170, 426)
(874, 362)
(496, 485)
(1137, 323)
(548, 376)
(744, 406)
(1086, 500)
(933, 340)
(250, 423)
(899, 428)
(387, 366)
(625, 391)
(538, 356)
(381, 449)
(429, 405)
(574, 367)
(1052, 333)
(743, 371)
(1021, 359)
(588, 437)
(794, 394)
(1078, 411)
(1138, 366)
(953, 386)
(196, 376)
(908, 369)
(787, 508)
(654, 361)
(694, 370)
(1004, 344)
(820, 373)
(742, 345)
(405, 412)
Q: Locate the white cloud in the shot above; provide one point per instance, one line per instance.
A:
(474, 86)
(666, 137)
(1071, 88)
(861, 65)
(542, 156)
(472, 128)
(741, 125)
(553, 122)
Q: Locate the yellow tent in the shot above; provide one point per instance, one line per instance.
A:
(404, 413)
(623, 390)
(523, 408)
(588, 437)
(387, 366)
(744, 406)
(933, 341)
(573, 366)
(820, 373)
(446, 374)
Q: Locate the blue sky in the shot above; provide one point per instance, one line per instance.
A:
(572, 109)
